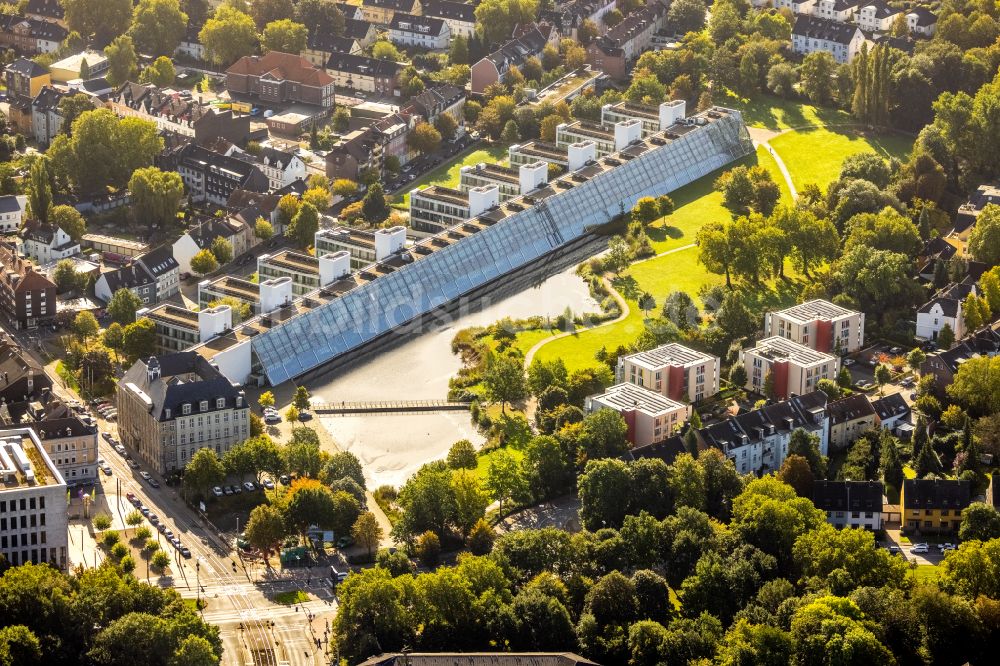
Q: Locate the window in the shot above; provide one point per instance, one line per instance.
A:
(186, 408)
(203, 406)
(220, 403)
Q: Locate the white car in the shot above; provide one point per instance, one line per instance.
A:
(269, 484)
(217, 491)
(272, 417)
(920, 548)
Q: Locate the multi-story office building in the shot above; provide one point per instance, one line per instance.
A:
(672, 370)
(794, 368)
(475, 254)
(855, 504)
(178, 328)
(532, 151)
(510, 181)
(33, 520)
(436, 208)
(819, 325)
(654, 119)
(227, 286)
(364, 246)
(307, 272)
(758, 440)
(650, 417)
(170, 406)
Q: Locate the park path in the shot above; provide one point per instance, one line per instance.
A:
(622, 304)
(783, 169)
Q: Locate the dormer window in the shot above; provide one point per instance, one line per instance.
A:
(220, 403)
(186, 408)
(203, 405)
(167, 413)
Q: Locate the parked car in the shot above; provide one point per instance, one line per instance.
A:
(144, 510)
(106, 468)
(186, 552)
(154, 519)
(107, 436)
(848, 362)
(144, 474)
(227, 490)
(269, 484)
(217, 491)
(130, 497)
(250, 487)
(120, 449)
(920, 548)
(131, 463)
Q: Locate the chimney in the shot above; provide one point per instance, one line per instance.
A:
(333, 266)
(671, 113)
(389, 241)
(626, 132)
(275, 293)
(482, 199)
(213, 321)
(152, 369)
(533, 176)
(580, 153)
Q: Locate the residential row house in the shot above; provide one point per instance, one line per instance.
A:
(617, 51)
(24, 79)
(819, 325)
(212, 177)
(367, 149)
(650, 416)
(933, 506)
(360, 72)
(381, 12)
(430, 104)
(672, 370)
(495, 67)
(200, 237)
(460, 16)
(944, 364)
(793, 368)
(27, 296)
(850, 418)
(843, 41)
(944, 309)
(278, 78)
(567, 17)
(173, 405)
(153, 277)
(178, 112)
(758, 440)
(852, 503)
(422, 32)
(31, 36)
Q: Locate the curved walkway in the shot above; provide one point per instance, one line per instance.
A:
(784, 170)
(622, 304)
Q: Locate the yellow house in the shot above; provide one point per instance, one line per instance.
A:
(380, 12)
(933, 505)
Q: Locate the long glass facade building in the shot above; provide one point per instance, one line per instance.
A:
(379, 298)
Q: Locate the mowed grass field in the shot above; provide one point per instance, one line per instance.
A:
(447, 174)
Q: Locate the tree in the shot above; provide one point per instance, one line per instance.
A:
(66, 277)
(427, 500)
(203, 471)
(265, 529)
(887, 230)
(734, 317)
(262, 229)
(374, 207)
(85, 325)
(122, 62)
(228, 35)
(104, 150)
(462, 455)
(158, 26)
(310, 503)
(204, 262)
(459, 53)
(344, 187)
(114, 338)
(545, 469)
(156, 195)
(927, 461)
(285, 36)
(686, 16)
(160, 73)
(882, 376)
(39, 190)
(504, 480)
(984, 241)
(122, 306)
(304, 225)
(367, 532)
(101, 19)
(69, 220)
(424, 138)
(816, 73)
(446, 126)
(222, 250)
(795, 471)
(504, 381)
(495, 19)
(266, 11)
(194, 651)
(980, 521)
(470, 500)
(977, 385)
(781, 79)
(646, 210)
(481, 537)
(646, 302)
(619, 255)
(805, 444)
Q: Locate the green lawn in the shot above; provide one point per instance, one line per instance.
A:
(777, 114)
(815, 156)
(291, 597)
(447, 174)
(484, 459)
(927, 573)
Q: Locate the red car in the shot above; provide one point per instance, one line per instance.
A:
(130, 497)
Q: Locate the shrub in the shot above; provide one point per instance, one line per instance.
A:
(110, 538)
(161, 560)
(152, 545)
(143, 533)
(102, 521)
(481, 538)
(134, 518)
(428, 549)
(127, 564)
(119, 550)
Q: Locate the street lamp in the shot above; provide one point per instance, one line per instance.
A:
(197, 573)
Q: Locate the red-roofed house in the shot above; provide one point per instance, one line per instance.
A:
(281, 77)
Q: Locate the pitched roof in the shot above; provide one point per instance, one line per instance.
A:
(173, 388)
(49, 8)
(925, 17)
(213, 227)
(26, 67)
(281, 66)
(19, 274)
(362, 65)
(10, 203)
(667, 450)
(784, 416)
(397, 5)
(891, 406)
(850, 408)
(882, 9)
(936, 494)
(423, 25)
(814, 27)
(848, 495)
(446, 9)
(129, 276)
(516, 51)
(326, 41)
(356, 28)
(159, 261)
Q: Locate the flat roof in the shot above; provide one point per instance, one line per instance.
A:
(593, 130)
(543, 149)
(113, 240)
(235, 287)
(628, 397)
(443, 194)
(295, 261)
(669, 355)
(495, 171)
(637, 110)
(777, 348)
(24, 446)
(174, 315)
(350, 236)
(813, 310)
